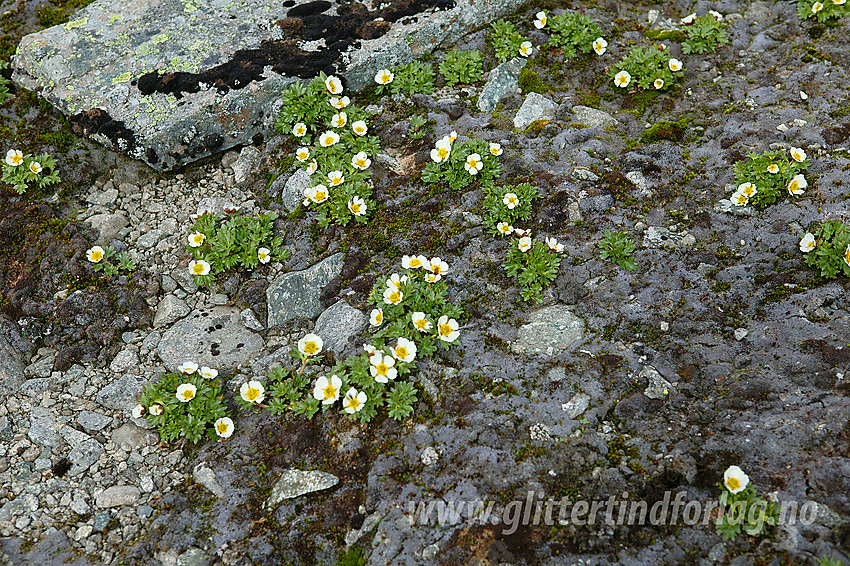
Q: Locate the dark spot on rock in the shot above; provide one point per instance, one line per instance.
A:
(212, 141)
(309, 9)
(837, 134)
(554, 212)
(218, 327)
(98, 122)
(61, 467)
(240, 345)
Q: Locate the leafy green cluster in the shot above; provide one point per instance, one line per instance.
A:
(417, 130)
(462, 67)
(831, 252)
(505, 40)
(705, 34)
(745, 511)
(617, 247)
(823, 10)
(535, 268)
(306, 116)
(4, 84)
(573, 32)
(453, 170)
(827, 561)
(38, 169)
(500, 211)
(191, 419)
(647, 67)
(415, 77)
(230, 241)
(123, 261)
(771, 172)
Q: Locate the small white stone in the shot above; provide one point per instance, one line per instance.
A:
(741, 333)
(665, 326)
(803, 95)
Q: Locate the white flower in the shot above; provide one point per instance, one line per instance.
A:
(554, 245)
(339, 103)
(354, 401)
(441, 151)
(847, 255)
(376, 317)
(35, 167)
(312, 167)
(437, 266)
(839, 2)
(252, 392)
(155, 409)
(138, 411)
(336, 178)
(396, 281)
(14, 157)
(359, 128)
(405, 350)
(735, 480)
(658, 83)
(393, 296)
(333, 84)
(384, 77)
(361, 161)
(370, 349)
(622, 79)
(421, 323)
(817, 7)
(808, 243)
(748, 189)
(188, 368)
(717, 15)
(327, 390)
(798, 154)
(540, 22)
(310, 345)
(473, 164)
(689, 19)
(600, 45)
(525, 49)
(199, 267)
(522, 233)
(208, 373)
(432, 277)
(318, 194)
(357, 206)
(511, 200)
(452, 136)
(524, 244)
(299, 130)
(196, 239)
(264, 255)
(675, 65)
(495, 149)
(224, 427)
(186, 392)
(447, 329)
(739, 199)
(328, 139)
(302, 154)
(504, 228)
(413, 261)
(773, 168)
(381, 367)
(339, 120)
(797, 184)
(94, 254)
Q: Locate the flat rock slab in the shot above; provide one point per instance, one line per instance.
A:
(535, 107)
(296, 294)
(214, 338)
(502, 80)
(295, 483)
(117, 496)
(550, 331)
(338, 324)
(173, 81)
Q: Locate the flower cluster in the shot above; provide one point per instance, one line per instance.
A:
(741, 509)
(101, 259)
(534, 264)
(334, 146)
(827, 248)
(646, 67)
(186, 403)
(218, 243)
(409, 79)
(507, 204)
(506, 40)
(823, 10)
(770, 176)
(573, 32)
(20, 169)
(459, 163)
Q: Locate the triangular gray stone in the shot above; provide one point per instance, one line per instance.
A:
(296, 294)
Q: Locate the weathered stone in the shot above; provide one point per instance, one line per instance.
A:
(295, 483)
(193, 557)
(593, 118)
(149, 239)
(42, 367)
(170, 310)
(92, 421)
(185, 279)
(577, 405)
(103, 198)
(291, 188)
(206, 477)
(121, 393)
(658, 387)
(250, 320)
(25, 504)
(85, 450)
(550, 330)
(210, 337)
(535, 107)
(338, 324)
(109, 225)
(215, 205)
(296, 294)
(129, 436)
(117, 496)
(42, 424)
(248, 158)
(659, 237)
(502, 80)
(11, 367)
(35, 387)
(124, 360)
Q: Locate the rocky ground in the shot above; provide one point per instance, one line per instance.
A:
(721, 348)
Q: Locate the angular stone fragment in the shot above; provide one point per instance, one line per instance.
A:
(503, 79)
(296, 294)
(295, 483)
(550, 330)
(338, 324)
(117, 496)
(593, 118)
(535, 107)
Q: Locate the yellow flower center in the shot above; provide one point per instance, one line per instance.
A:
(361, 163)
(385, 77)
(329, 391)
(17, 159)
(320, 195)
(187, 394)
(263, 255)
(421, 323)
(355, 208)
(310, 348)
(379, 318)
(473, 164)
(394, 298)
(382, 368)
(442, 152)
(358, 129)
(733, 483)
(96, 256)
(401, 352)
(445, 330)
(353, 403)
(415, 263)
(252, 393)
(222, 428)
(198, 268)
